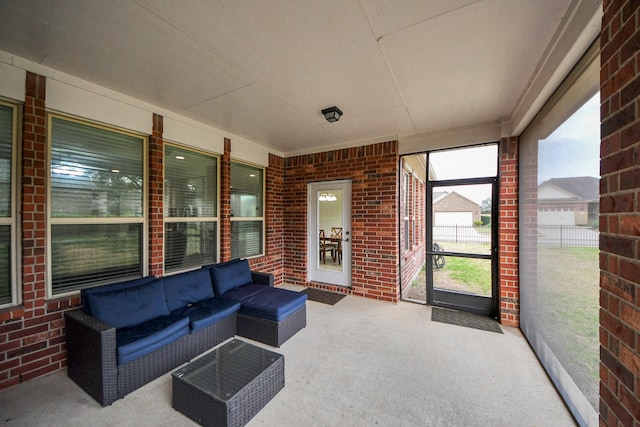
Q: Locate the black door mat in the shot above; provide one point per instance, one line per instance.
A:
(324, 297)
(462, 318)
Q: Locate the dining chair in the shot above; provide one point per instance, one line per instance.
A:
(337, 232)
(324, 247)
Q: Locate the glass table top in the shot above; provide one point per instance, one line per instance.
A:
(224, 371)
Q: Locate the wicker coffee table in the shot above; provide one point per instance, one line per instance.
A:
(229, 385)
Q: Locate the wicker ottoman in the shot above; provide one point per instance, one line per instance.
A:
(229, 385)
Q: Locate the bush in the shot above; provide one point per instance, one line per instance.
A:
(478, 223)
(486, 219)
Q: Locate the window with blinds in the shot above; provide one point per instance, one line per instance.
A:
(7, 194)
(247, 210)
(190, 208)
(97, 200)
(405, 188)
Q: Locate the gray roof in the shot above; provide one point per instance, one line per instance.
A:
(584, 187)
(438, 194)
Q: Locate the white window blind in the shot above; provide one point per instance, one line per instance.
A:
(191, 209)
(6, 206)
(247, 210)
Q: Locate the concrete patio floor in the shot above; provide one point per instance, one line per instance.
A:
(358, 363)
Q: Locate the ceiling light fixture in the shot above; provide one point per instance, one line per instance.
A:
(327, 197)
(332, 114)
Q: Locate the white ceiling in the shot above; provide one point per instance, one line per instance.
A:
(263, 69)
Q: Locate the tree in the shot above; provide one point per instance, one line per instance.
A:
(486, 205)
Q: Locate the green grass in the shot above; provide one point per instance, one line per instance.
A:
(568, 294)
(474, 273)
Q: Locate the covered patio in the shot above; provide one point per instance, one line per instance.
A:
(97, 99)
(357, 363)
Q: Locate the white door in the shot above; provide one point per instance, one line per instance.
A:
(329, 238)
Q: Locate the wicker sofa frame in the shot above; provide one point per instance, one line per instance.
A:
(92, 361)
(92, 350)
(270, 332)
(267, 331)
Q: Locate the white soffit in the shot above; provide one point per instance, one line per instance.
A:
(12, 80)
(247, 151)
(185, 134)
(450, 138)
(65, 98)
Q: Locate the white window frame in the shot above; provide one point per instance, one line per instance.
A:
(12, 220)
(51, 221)
(253, 218)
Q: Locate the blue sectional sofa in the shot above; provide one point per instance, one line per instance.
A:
(129, 333)
(267, 314)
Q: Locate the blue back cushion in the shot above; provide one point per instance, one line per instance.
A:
(84, 294)
(230, 275)
(123, 308)
(186, 288)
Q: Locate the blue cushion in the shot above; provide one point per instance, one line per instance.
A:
(142, 339)
(186, 288)
(131, 306)
(210, 311)
(84, 294)
(267, 303)
(230, 275)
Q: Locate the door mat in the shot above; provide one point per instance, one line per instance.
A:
(462, 318)
(324, 297)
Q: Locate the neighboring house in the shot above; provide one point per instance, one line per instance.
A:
(451, 208)
(569, 201)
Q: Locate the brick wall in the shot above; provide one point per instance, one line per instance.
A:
(273, 261)
(32, 335)
(225, 202)
(373, 170)
(156, 198)
(620, 215)
(509, 288)
(454, 202)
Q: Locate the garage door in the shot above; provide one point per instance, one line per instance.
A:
(453, 218)
(557, 217)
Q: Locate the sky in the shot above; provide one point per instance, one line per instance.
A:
(574, 148)
(471, 162)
